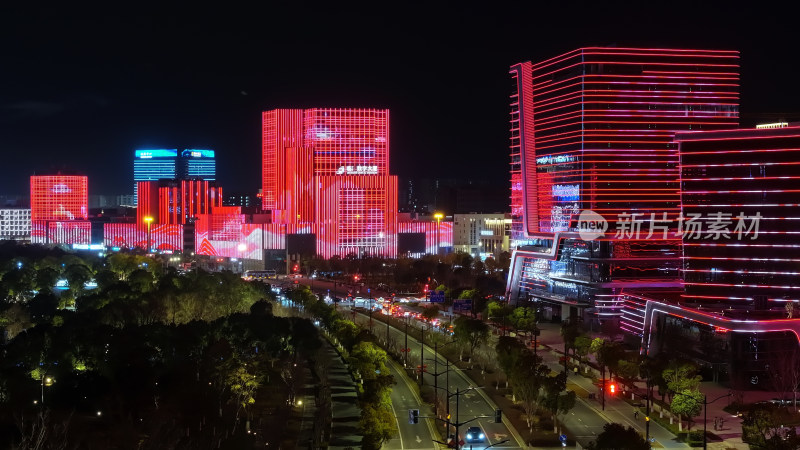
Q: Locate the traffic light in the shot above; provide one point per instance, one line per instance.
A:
(295, 268)
(498, 416)
(413, 416)
(612, 389)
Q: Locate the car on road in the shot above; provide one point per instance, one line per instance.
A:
(474, 436)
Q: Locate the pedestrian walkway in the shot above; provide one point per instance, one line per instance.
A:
(345, 412)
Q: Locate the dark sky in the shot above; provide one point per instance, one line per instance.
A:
(81, 88)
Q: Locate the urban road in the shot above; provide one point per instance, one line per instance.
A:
(472, 404)
(585, 421)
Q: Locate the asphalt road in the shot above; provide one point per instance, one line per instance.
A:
(472, 403)
(404, 398)
(585, 421)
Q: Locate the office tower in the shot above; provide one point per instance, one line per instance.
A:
(60, 209)
(150, 165)
(330, 168)
(195, 163)
(592, 129)
(176, 201)
(59, 197)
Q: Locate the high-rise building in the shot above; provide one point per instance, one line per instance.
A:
(60, 209)
(741, 239)
(176, 201)
(330, 167)
(151, 165)
(59, 197)
(168, 164)
(737, 311)
(592, 129)
(195, 163)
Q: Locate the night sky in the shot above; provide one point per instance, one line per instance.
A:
(81, 88)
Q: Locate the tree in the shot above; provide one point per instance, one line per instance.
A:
(687, 403)
(523, 319)
(784, 373)
(628, 373)
(378, 425)
(369, 360)
(569, 331)
(555, 399)
(763, 428)
(527, 379)
(470, 332)
(582, 346)
(617, 437)
(681, 377)
(430, 313)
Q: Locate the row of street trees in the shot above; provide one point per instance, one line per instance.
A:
(367, 361)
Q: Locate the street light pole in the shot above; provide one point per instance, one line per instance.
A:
(405, 349)
(148, 220)
(438, 217)
(421, 354)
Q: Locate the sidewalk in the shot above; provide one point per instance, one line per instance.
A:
(345, 412)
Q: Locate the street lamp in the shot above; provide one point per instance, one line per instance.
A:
(148, 220)
(46, 381)
(438, 216)
(705, 413)
(436, 374)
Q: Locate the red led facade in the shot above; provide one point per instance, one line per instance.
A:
(59, 197)
(176, 201)
(328, 168)
(356, 215)
(61, 232)
(444, 233)
(730, 178)
(131, 235)
(602, 127)
(593, 129)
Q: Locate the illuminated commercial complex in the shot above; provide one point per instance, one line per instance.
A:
(60, 209)
(740, 244)
(329, 168)
(636, 198)
(593, 129)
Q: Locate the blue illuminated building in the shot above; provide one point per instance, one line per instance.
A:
(155, 164)
(196, 163)
(160, 164)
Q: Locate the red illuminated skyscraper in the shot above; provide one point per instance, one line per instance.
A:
(176, 201)
(60, 209)
(330, 167)
(59, 197)
(592, 129)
